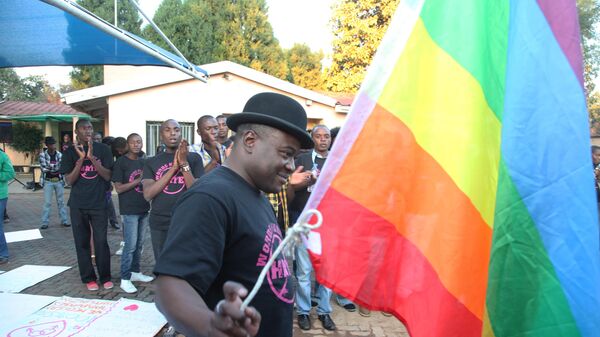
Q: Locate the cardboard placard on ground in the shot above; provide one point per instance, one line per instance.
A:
(26, 235)
(127, 318)
(89, 318)
(16, 306)
(26, 276)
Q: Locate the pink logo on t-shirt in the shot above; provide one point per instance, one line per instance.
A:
(133, 176)
(88, 170)
(177, 183)
(279, 269)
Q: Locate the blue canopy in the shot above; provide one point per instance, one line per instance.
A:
(36, 33)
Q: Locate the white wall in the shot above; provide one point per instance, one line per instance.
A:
(187, 100)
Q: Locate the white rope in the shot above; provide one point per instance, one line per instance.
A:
(292, 238)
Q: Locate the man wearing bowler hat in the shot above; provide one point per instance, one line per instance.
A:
(224, 230)
(53, 183)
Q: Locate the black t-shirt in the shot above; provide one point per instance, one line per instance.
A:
(301, 196)
(89, 190)
(156, 167)
(125, 171)
(50, 175)
(223, 229)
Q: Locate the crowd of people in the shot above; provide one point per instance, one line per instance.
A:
(215, 210)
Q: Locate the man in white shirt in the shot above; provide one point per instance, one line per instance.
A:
(212, 152)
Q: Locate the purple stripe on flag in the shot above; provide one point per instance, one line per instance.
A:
(564, 22)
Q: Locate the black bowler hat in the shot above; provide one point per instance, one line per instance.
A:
(275, 110)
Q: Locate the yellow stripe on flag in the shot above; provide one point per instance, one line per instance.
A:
(445, 108)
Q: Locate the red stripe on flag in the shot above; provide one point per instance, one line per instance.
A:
(365, 258)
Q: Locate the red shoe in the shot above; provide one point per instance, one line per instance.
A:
(92, 286)
(108, 285)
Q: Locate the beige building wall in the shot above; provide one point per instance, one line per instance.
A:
(187, 100)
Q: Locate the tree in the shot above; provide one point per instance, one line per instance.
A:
(589, 15)
(30, 88)
(304, 67)
(265, 53)
(358, 27)
(27, 138)
(208, 31)
(174, 21)
(128, 19)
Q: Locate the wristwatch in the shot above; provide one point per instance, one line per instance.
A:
(185, 167)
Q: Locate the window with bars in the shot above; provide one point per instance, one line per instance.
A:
(153, 135)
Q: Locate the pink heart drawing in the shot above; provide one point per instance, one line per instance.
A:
(46, 329)
(131, 307)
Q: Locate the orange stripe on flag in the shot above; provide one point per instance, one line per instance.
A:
(404, 185)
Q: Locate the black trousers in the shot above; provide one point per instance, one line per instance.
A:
(159, 228)
(84, 222)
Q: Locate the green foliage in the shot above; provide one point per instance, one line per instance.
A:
(305, 67)
(89, 76)
(27, 138)
(127, 15)
(207, 31)
(358, 27)
(172, 20)
(589, 11)
(30, 88)
(86, 76)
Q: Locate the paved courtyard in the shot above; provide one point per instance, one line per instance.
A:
(57, 249)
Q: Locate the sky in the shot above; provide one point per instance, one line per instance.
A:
(293, 21)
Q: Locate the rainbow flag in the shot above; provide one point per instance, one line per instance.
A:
(459, 195)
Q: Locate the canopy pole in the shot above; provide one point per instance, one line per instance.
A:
(164, 37)
(77, 11)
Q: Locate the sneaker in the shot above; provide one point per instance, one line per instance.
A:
(3, 260)
(6, 219)
(139, 277)
(66, 224)
(128, 287)
(44, 226)
(108, 285)
(92, 286)
(120, 250)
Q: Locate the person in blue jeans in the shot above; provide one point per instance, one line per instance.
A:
(314, 159)
(127, 178)
(53, 183)
(6, 174)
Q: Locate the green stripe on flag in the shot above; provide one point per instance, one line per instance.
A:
(475, 34)
(524, 296)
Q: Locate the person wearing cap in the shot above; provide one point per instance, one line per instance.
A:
(224, 230)
(52, 182)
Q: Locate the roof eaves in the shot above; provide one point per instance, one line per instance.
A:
(269, 80)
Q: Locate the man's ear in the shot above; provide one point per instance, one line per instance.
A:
(198, 132)
(249, 139)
